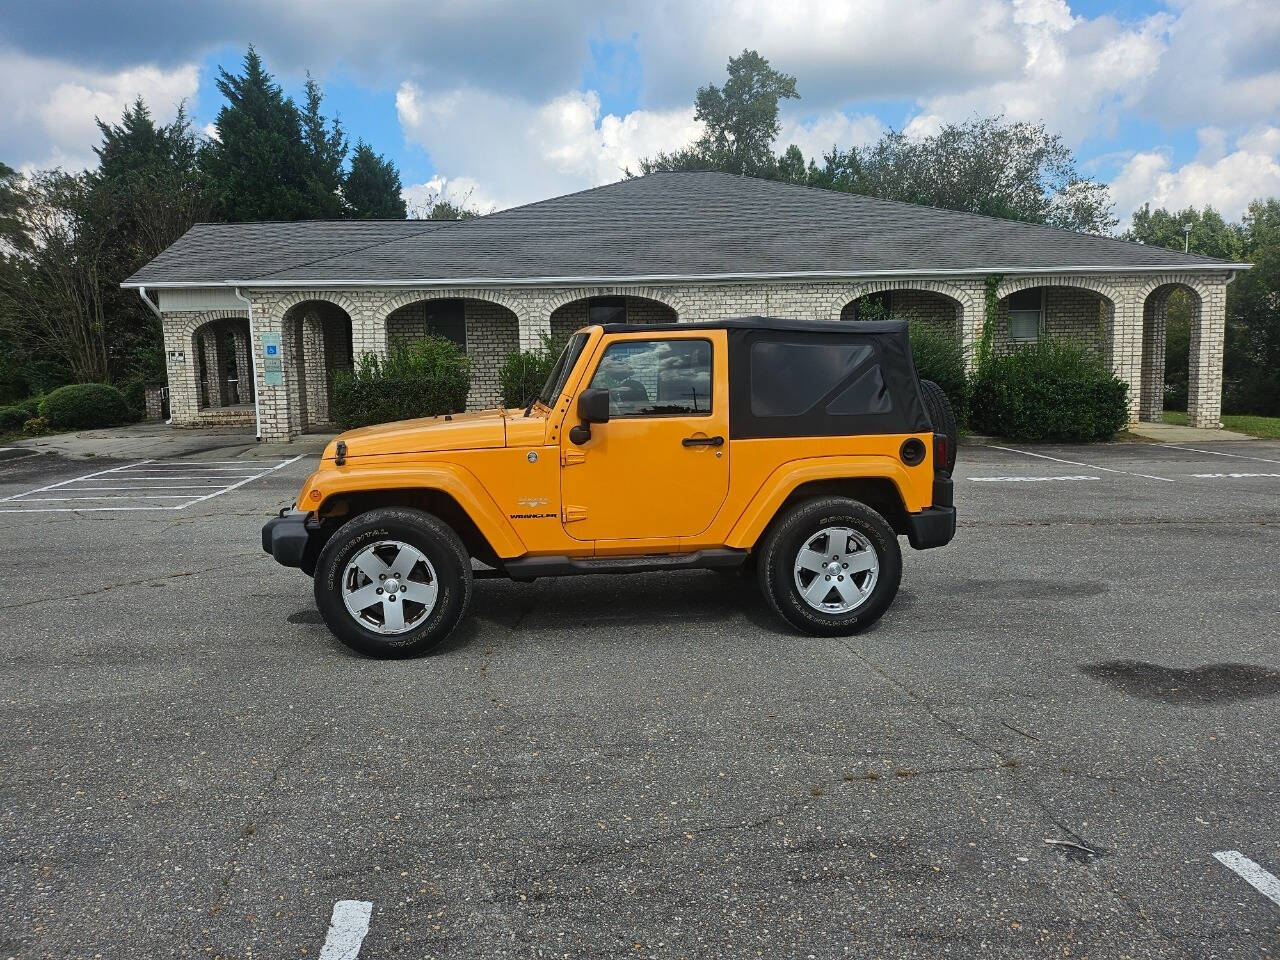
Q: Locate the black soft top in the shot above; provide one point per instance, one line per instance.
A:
(828, 327)
(814, 378)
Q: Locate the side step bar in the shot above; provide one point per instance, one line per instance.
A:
(530, 568)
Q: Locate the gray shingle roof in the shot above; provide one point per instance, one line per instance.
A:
(218, 252)
(662, 225)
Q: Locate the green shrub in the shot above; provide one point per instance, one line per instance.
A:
(524, 372)
(940, 358)
(85, 405)
(427, 378)
(1046, 391)
(135, 393)
(35, 426)
(12, 418)
(31, 405)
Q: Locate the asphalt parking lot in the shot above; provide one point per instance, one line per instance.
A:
(1037, 752)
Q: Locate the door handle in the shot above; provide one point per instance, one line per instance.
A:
(702, 442)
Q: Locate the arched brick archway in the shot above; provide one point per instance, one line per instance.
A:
(1156, 299)
(1094, 284)
(485, 328)
(404, 298)
(630, 307)
(965, 305)
(661, 295)
(317, 345)
(219, 367)
(1078, 309)
(918, 304)
(333, 297)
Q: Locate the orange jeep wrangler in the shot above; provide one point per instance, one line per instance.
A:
(801, 449)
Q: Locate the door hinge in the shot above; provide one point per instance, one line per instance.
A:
(572, 514)
(569, 457)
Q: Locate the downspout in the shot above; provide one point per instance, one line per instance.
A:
(253, 367)
(155, 308)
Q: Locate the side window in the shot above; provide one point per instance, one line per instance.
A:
(792, 379)
(1026, 313)
(655, 378)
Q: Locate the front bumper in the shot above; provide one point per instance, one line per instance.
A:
(931, 527)
(292, 539)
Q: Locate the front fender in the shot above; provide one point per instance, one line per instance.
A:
(450, 478)
(790, 476)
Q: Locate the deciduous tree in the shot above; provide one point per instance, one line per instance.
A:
(740, 121)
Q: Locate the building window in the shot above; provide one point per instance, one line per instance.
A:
(447, 319)
(1026, 315)
(607, 310)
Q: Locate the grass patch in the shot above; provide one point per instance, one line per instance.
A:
(1268, 428)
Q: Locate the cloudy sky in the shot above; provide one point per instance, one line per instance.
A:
(1174, 102)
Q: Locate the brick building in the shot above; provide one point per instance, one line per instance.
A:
(259, 318)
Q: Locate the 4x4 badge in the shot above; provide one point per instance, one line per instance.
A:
(533, 502)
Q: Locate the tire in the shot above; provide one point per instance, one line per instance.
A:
(943, 418)
(801, 528)
(421, 556)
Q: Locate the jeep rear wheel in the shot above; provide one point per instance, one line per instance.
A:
(830, 566)
(393, 582)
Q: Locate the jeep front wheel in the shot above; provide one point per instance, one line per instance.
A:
(393, 582)
(830, 566)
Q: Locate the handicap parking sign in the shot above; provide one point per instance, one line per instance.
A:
(272, 361)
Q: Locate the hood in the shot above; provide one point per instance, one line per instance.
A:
(458, 431)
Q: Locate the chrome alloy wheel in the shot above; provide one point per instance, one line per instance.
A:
(389, 587)
(836, 569)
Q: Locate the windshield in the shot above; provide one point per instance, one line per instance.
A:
(564, 366)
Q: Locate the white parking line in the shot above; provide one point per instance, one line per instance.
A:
(347, 929)
(1254, 875)
(1077, 463)
(137, 486)
(1230, 476)
(1028, 479)
(1218, 453)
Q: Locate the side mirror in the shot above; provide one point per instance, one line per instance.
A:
(593, 405)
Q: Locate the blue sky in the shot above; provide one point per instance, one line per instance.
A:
(1173, 102)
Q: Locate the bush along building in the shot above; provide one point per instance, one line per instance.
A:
(259, 318)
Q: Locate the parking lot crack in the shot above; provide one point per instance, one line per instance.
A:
(160, 578)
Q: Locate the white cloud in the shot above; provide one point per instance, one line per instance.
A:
(817, 135)
(1220, 67)
(1076, 75)
(460, 191)
(52, 122)
(512, 151)
(923, 125)
(1227, 181)
(840, 50)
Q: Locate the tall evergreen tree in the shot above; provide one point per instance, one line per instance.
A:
(372, 187)
(259, 164)
(327, 145)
